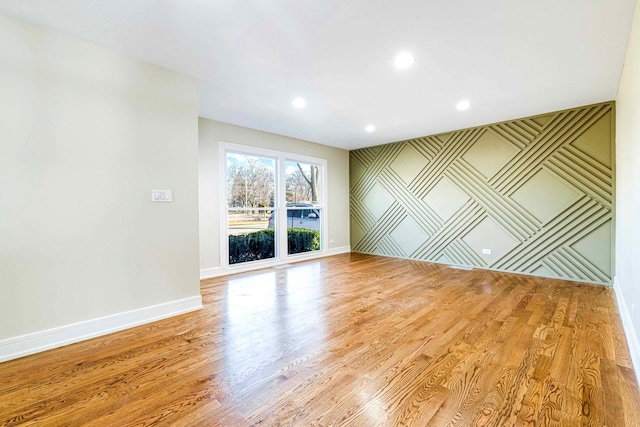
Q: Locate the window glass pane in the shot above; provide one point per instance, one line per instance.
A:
(251, 235)
(303, 229)
(302, 193)
(250, 181)
(250, 200)
(303, 183)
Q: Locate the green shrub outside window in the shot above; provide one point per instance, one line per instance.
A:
(260, 244)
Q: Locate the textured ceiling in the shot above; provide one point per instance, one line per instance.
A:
(509, 58)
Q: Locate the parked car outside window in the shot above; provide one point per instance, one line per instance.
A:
(300, 218)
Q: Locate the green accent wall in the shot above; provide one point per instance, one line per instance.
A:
(535, 192)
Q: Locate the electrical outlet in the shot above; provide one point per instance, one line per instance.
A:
(332, 241)
(486, 252)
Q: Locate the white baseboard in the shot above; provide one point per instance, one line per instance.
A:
(24, 345)
(337, 251)
(629, 330)
(209, 273)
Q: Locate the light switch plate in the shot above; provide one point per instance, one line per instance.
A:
(161, 196)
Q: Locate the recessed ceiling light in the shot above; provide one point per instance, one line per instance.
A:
(404, 60)
(299, 103)
(370, 128)
(463, 105)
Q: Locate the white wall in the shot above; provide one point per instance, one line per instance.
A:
(627, 281)
(85, 134)
(212, 132)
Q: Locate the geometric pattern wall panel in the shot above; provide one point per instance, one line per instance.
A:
(408, 235)
(489, 153)
(532, 195)
(408, 163)
(490, 231)
(378, 200)
(445, 199)
(545, 195)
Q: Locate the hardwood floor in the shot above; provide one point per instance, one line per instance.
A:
(350, 340)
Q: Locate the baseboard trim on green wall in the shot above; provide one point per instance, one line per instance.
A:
(473, 267)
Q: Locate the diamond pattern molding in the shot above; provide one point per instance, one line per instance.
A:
(536, 192)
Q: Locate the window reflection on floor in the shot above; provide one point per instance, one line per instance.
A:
(304, 297)
(275, 313)
(249, 298)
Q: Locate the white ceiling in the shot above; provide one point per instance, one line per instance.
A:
(509, 58)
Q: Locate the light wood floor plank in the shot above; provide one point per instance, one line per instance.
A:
(349, 340)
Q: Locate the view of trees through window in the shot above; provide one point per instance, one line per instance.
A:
(250, 182)
(252, 213)
(302, 182)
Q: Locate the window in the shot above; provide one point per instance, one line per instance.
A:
(250, 196)
(303, 197)
(274, 204)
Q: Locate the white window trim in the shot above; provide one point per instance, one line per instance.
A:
(281, 157)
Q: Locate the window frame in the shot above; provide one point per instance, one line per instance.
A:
(280, 203)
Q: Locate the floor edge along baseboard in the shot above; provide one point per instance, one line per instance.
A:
(630, 333)
(24, 345)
